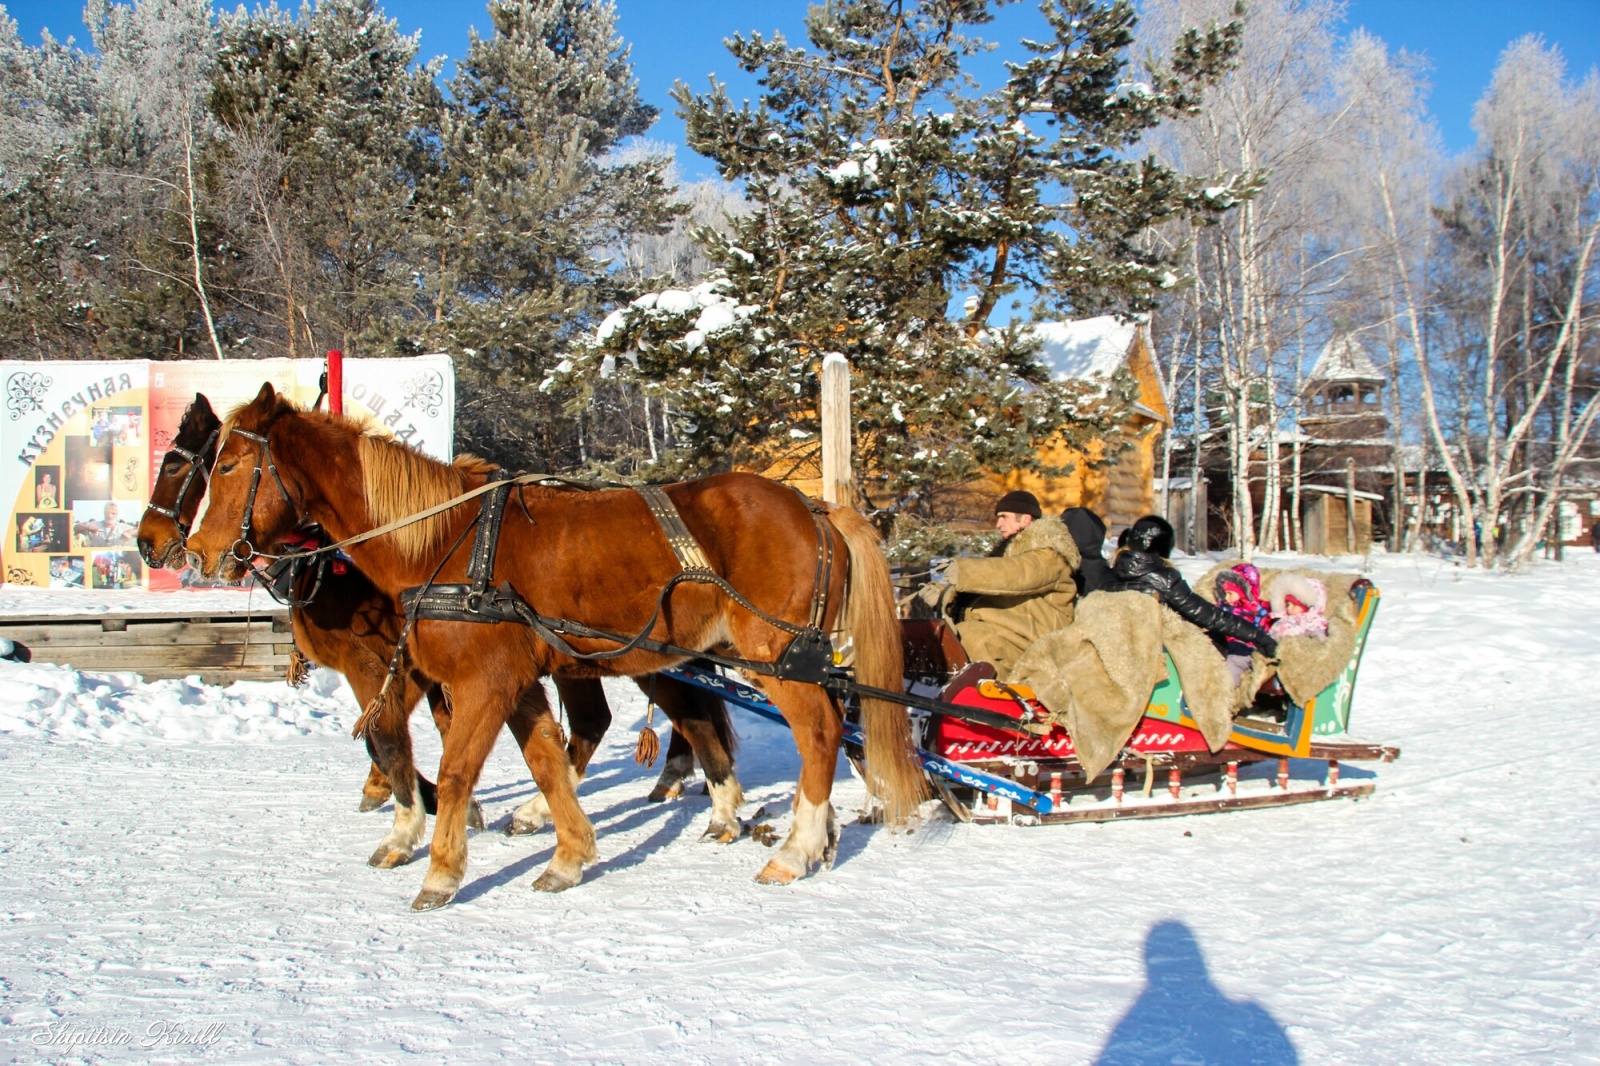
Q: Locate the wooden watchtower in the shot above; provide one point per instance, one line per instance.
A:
(1345, 459)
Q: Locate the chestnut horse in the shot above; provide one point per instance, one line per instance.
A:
(597, 557)
(344, 623)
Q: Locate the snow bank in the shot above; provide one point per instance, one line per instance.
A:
(43, 700)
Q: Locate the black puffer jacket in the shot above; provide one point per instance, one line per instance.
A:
(1089, 533)
(1137, 571)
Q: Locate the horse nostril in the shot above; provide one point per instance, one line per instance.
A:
(146, 550)
(194, 562)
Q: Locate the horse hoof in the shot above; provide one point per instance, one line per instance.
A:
(475, 815)
(551, 881)
(721, 834)
(431, 899)
(662, 793)
(387, 858)
(531, 817)
(371, 803)
(773, 873)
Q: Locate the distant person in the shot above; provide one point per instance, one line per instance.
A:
(1299, 604)
(1238, 591)
(1089, 534)
(31, 533)
(110, 532)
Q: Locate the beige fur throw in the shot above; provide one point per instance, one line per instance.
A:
(1095, 676)
(1306, 665)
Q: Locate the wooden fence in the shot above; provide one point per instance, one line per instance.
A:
(219, 647)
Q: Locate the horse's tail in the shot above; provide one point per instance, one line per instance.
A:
(870, 619)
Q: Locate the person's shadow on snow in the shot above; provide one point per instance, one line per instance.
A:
(1182, 1017)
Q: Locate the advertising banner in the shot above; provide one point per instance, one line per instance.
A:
(82, 442)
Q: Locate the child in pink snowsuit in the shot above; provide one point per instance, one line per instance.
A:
(1239, 592)
(1298, 606)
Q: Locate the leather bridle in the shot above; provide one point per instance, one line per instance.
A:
(197, 467)
(246, 525)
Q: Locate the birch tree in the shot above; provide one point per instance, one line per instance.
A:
(1523, 224)
(1273, 115)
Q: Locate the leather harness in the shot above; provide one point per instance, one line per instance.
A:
(808, 656)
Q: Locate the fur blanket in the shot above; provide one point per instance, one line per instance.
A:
(1096, 675)
(1306, 665)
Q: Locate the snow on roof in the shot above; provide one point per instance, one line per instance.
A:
(1343, 360)
(1085, 347)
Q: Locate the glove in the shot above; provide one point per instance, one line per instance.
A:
(933, 594)
(1267, 645)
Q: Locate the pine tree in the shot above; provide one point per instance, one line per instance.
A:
(525, 192)
(326, 120)
(896, 208)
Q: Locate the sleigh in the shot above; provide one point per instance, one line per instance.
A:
(990, 755)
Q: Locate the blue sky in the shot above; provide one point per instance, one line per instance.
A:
(682, 39)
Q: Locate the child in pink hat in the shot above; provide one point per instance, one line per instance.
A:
(1298, 606)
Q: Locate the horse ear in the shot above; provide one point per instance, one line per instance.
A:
(266, 399)
(201, 404)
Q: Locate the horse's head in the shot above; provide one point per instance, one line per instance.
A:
(180, 486)
(250, 505)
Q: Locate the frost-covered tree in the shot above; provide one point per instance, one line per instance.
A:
(525, 192)
(100, 204)
(897, 211)
(1523, 233)
(325, 115)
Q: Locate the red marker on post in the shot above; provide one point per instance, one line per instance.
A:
(335, 381)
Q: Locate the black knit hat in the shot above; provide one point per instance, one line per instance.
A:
(1152, 534)
(1019, 501)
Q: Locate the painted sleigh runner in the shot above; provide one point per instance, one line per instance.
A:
(992, 753)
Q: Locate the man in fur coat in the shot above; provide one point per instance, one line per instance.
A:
(1022, 591)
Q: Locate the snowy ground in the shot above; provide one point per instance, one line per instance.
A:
(184, 868)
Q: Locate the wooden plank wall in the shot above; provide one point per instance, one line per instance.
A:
(219, 648)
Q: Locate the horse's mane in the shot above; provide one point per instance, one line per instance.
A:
(400, 481)
(396, 479)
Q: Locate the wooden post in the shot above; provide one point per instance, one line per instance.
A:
(336, 381)
(835, 428)
(1350, 506)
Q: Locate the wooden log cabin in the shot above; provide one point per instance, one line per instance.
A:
(1114, 478)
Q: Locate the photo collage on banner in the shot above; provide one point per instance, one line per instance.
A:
(84, 441)
(76, 473)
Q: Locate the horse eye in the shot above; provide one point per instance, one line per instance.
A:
(226, 468)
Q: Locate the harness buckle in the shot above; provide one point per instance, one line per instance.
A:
(249, 550)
